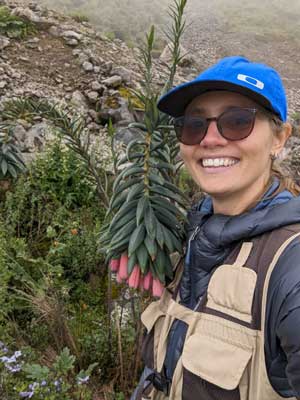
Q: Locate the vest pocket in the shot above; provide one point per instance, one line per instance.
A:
(231, 291)
(215, 361)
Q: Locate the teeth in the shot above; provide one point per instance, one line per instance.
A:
(218, 162)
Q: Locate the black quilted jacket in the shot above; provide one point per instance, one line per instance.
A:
(212, 237)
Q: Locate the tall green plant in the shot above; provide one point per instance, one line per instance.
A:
(146, 208)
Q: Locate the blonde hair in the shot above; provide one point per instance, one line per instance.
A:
(286, 180)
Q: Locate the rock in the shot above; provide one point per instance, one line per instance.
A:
(19, 134)
(124, 73)
(87, 66)
(3, 84)
(78, 100)
(71, 35)
(72, 42)
(4, 42)
(109, 113)
(166, 57)
(107, 66)
(92, 96)
(55, 31)
(94, 115)
(114, 81)
(31, 16)
(126, 135)
(95, 85)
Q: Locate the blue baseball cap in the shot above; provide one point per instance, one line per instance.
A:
(259, 82)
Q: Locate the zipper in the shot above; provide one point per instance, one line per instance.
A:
(192, 237)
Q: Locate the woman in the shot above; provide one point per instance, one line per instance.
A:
(230, 328)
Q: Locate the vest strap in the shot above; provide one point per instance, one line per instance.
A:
(243, 254)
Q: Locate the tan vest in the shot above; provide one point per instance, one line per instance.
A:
(223, 356)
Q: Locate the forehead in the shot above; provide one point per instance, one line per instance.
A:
(218, 101)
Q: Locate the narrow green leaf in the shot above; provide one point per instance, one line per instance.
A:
(159, 234)
(142, 206)
(131, 263)
(151, 246)
(143, 258)
(150, 222)
(124, 232)
(4, 167)
(136, 191)
(136, 238)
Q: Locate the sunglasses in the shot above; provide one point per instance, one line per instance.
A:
(235, 124)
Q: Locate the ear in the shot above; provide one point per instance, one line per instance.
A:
(281, 137)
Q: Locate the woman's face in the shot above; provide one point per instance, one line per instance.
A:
(234, 186)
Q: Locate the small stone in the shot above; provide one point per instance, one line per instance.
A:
(3, 84)
(95, 85)
(93, 114)
(123, 72)
(114, 81)
(92, 96)
(107, 66)
(71, 35)
(97, 69)
(54, 31)
(72, 42)
(78, 100)
(4, 42)
(87, 66)
(76, 52)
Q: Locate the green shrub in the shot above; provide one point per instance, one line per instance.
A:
(14, 26)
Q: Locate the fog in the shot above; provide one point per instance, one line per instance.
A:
(129, 19)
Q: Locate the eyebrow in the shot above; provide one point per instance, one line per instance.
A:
(201, 110)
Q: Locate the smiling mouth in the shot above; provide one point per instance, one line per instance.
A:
(218, 162)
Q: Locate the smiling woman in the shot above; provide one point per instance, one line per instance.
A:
(232, 161)
(228, 326)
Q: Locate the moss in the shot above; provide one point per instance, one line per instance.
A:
(134, 102)
(112, 102)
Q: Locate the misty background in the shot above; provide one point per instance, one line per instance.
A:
(130, 19)
(262, 30)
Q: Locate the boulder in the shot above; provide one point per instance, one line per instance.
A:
(113, 81)
(78, 100)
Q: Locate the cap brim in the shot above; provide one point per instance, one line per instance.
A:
(175, 102)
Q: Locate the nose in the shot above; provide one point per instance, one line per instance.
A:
(213, 136)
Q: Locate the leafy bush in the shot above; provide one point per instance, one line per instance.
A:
(14, 26)
(37, 382)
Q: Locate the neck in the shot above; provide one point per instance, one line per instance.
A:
(238, 203)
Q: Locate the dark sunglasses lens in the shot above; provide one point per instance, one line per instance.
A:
(236, 124)
(190, 131)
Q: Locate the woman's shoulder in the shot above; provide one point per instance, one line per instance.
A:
(286, 274)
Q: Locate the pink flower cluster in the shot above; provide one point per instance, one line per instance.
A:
(136, 280)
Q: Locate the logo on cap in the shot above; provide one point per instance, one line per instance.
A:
(251, 81)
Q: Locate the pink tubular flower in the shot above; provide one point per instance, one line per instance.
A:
(119, 279)
(123, 272)
(141, 283)
(114, 264)
(147, 281)
(134, 278)
(157, 288)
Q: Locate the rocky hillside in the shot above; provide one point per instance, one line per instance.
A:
(71, 63)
